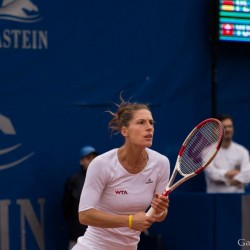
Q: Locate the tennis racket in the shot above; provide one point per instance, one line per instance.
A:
(196, 153)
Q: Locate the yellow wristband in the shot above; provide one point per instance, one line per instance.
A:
(130, 221)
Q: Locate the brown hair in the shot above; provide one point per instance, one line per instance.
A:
(124, 114)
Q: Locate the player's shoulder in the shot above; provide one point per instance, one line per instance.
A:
(107, 155)
(154, 155)
(103, 164)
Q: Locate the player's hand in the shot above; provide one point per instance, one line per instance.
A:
(141, 222)
(160, 203)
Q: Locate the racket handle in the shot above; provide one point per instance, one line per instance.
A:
(150, 212)
(166, 192)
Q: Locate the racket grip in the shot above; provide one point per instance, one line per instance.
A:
(166, 192)
(150, 212)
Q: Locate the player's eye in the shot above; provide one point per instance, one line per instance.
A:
(152, 122)
(141, 122)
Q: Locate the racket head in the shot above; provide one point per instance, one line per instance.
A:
(200, 147)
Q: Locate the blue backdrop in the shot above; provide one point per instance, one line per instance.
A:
(63, 64)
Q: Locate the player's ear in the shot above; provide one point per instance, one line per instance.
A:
(124, 131)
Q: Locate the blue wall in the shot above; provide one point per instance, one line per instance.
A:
(63, 64)
(202, 221)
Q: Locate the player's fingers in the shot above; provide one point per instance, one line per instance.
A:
(165, 200)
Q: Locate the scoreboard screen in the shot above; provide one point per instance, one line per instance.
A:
(234, 21)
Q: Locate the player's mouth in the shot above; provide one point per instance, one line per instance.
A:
(148, 136)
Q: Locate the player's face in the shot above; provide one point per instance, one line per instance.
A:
(140, 130)
(228, 129)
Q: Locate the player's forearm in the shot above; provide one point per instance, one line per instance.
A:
(96, 218)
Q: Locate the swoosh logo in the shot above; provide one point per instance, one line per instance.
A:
(7, 150)
(7, 128)
(12, 164)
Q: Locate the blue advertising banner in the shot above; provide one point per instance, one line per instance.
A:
(63, 64)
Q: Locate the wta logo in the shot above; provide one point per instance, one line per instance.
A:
(7, 129)
(23, 11)
(119, 192)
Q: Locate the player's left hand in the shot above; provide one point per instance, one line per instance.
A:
(160, 203)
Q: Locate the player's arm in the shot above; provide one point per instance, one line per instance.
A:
(97, 218)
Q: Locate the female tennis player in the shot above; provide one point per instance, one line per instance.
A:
(122, 183)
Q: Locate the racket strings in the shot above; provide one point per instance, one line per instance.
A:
(200, 147)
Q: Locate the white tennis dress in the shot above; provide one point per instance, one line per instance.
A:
(109, 187)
